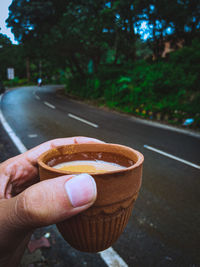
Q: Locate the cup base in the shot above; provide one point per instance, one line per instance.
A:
(95, 233)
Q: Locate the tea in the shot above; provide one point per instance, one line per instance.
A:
(88, 166)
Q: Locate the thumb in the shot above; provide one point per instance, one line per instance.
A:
(54, 200)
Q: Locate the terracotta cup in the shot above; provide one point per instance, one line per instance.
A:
(98, 227)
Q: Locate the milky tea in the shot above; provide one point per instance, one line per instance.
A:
(88, 166)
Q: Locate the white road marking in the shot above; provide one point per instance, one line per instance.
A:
(20, 146)
(112, 259)
(49, 105)
(109, 256)
(82, 120)
(166, 127)
(172, 157)
(32, 135)
(37, 97)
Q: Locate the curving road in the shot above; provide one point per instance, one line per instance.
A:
(164, 229)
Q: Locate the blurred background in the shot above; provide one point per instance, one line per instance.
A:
(139, 57)
(124, 72)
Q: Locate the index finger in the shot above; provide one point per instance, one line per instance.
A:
(21, 171)
(33, 154)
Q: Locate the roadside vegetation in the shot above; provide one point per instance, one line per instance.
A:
(112, 53)
(166, 89)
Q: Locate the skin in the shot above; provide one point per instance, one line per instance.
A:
(26, 203)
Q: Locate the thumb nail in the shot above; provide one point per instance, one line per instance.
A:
(81, 190)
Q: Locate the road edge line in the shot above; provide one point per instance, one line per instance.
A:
(168, 127)
(15, 139)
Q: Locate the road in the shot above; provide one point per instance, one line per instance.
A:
(164, 229)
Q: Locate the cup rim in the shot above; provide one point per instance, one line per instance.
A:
(140, 159)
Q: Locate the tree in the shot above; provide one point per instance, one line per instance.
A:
(71, 34)
(178, 18)
(10, 56)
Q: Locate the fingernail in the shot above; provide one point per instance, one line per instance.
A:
(81, 190)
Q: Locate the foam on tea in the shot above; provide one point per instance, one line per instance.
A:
(88, 166)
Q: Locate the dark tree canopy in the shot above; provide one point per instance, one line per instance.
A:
(72, 33)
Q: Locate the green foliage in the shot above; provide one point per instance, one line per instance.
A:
(167, 88)
(16, 82)
(88, 88)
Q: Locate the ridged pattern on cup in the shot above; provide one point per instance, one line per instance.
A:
(93, 234)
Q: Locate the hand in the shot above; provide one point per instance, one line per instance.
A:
(26, 203)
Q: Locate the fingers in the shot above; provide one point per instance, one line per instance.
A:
(19, 172)
(52, 201)
(33, 154)
(15, 174)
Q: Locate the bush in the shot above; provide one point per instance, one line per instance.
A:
(15, 82)
(167, 88)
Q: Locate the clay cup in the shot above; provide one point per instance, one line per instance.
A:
(100, 226)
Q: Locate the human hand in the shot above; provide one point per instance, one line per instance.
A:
(26, 203)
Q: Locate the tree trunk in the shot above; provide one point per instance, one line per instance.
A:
(132, 38)
(116, 49)
(71, 66)
(40, 69)
(76, 64)
(28, 75)
(96, 60)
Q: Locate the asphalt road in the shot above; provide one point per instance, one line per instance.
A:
(164, 229)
